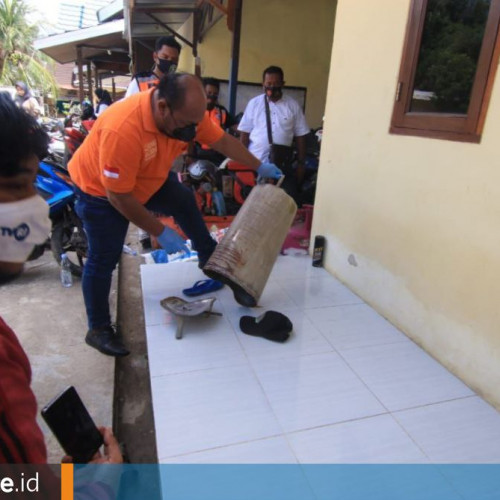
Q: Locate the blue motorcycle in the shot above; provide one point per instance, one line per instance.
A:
(67, 235)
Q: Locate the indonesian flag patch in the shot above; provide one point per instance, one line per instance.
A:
(111, 172)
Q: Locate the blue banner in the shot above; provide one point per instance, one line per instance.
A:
(291, 482)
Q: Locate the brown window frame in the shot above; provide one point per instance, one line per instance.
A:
(466, 128)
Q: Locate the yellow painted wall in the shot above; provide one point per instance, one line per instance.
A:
(420, 217)
(293, 34)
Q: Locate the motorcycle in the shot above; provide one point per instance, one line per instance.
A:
(218, 190)
(55, 129)
(74, 135)
(67, 234)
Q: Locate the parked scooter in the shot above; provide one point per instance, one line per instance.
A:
(67, 235)
(74, 135)
(55, 130)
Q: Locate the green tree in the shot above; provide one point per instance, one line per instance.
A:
(451, 43)
(18, 59)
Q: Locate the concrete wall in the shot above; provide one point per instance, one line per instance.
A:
(292, 34)
(411, 223)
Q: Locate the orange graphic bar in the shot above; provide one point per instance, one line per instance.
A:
(66, 481)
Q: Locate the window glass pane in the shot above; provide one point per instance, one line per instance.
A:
(451, 42)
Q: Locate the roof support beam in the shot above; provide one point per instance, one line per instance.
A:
(168, 28)
(89, 81)
(235, 55)
(96, 77)
(79, 61)
(217, 5)
(145, 45)
(102, 47)
(164, 10)
(208, 21)
(119, 68)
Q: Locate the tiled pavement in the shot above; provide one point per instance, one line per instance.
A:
(347, 387)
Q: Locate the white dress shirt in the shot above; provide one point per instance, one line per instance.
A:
(132, 88)
(287, 121)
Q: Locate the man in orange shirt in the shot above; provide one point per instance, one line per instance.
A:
(122, 172)
(219, 115)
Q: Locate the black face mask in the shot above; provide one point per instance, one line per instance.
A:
(274, 92)
(166, 66)
(212, 99)
(184, 134)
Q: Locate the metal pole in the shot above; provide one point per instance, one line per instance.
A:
(80, 74)
(96, 77)
(89, 81)
(196, 36)
(235, 57)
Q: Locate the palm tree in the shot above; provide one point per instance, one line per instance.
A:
(18, 59)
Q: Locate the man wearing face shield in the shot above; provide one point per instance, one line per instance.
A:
(166, 59)
(122, 173)
(277, 119)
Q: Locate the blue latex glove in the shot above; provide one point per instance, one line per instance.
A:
(171, 242)
(269, 170)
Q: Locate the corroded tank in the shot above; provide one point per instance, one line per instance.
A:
(246, 255)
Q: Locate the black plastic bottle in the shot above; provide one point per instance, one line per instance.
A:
(319, 249)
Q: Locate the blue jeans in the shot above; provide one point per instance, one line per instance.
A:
(106, 229)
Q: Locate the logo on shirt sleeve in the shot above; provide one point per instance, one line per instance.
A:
(111, 172)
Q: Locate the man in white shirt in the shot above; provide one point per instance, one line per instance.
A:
(287, 121)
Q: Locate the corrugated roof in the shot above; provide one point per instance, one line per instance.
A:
(75, 14)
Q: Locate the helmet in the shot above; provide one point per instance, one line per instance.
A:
(202, 168)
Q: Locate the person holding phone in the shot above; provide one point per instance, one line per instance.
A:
(23, 144)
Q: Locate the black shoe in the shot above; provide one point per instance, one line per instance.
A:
(106, 340)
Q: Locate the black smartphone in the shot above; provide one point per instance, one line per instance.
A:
(72, 425)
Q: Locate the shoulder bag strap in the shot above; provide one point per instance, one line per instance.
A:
(268, 121)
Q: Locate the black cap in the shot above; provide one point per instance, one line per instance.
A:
(272, 325)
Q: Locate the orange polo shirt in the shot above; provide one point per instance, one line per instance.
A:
(126, 153)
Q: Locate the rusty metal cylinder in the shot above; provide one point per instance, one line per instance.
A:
(247, 253)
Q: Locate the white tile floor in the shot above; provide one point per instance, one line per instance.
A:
(347, 387)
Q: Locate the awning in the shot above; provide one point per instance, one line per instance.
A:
(147, 16)
(102, 42)
(147, 19)
(108, 45)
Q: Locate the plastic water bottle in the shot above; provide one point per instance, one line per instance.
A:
(66, 277)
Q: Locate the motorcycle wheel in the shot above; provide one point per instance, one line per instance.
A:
(69, 237)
